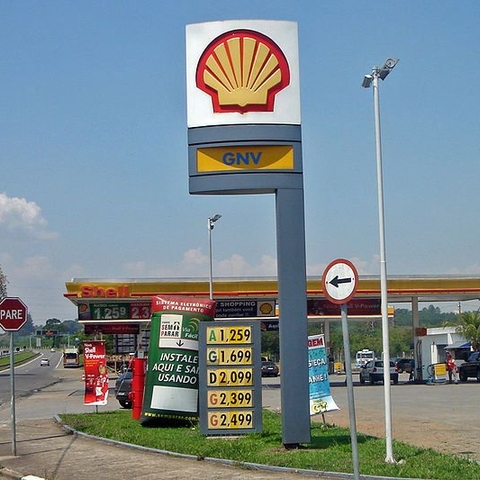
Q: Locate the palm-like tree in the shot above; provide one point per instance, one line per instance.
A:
(470, 327)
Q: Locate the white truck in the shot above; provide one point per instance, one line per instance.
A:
(364, 356)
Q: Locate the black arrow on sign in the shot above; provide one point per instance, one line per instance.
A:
(180, 343)
(337, 281)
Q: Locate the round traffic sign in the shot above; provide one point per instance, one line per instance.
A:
(340, 281)
(13, 314)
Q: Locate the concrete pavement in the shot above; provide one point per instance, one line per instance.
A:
(46, 450)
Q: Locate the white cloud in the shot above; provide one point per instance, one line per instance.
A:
(36, 267)
(364, 267)
(194, 256)
(237, 266)
(135, 269)
(195, 264)
(20, 215)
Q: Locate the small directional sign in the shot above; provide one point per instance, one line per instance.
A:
(340, 280)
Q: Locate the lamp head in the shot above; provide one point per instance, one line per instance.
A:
(212, 220)
(390, 63)
(380, 72)
(387, 67)
(367, 81)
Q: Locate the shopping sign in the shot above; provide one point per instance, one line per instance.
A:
(13, 314)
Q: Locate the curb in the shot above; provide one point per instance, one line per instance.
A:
(234, 463)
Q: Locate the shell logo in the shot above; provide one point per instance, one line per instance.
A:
(242, 70)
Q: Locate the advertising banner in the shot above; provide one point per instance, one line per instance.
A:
(321, 400)
(96, 376)
(356, 307)
(171, 382)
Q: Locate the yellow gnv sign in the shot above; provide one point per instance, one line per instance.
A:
(253, 157)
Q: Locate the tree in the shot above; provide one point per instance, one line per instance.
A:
(3, 284)
(270, 344)
(470, 327)
(28, 328)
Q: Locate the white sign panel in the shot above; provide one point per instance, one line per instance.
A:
(242, 72)
(340, 281)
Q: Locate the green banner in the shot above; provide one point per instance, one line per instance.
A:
(171, 382)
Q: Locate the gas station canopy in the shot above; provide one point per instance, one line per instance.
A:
(401, 289)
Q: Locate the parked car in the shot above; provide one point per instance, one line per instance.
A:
(404, 365)
(372, 372)
(269, 369)
(123, 387)
(44, 362)
(470, 368)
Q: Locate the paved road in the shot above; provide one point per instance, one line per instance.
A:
(44, 449)
(30, 376)
(439, 416)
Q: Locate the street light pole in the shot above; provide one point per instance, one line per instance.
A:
(210, 225)
(372, 79)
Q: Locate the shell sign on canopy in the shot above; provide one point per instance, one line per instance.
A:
(242, 72)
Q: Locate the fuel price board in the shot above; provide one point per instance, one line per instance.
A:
(230, 381)
(111, 311)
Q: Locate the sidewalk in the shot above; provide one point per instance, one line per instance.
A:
(46, 450)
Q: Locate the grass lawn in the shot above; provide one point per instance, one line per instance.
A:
(19, 358)
(329, 449)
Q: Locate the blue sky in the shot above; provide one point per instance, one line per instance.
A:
(93, 143)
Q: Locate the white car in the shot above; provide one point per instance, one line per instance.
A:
(44, 362)
(372, 372)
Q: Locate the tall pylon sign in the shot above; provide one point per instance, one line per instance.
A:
(244, 137)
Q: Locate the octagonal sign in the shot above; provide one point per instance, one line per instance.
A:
(13, 314)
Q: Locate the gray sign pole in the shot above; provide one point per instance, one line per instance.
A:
(351, 399)
(340, 280)
(292, 300)
(12, 396)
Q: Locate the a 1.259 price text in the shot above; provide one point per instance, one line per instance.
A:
(229, 335)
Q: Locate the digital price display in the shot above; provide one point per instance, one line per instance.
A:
(114, 311)
(230, 378)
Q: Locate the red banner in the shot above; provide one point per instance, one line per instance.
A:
(96, 376)
(111, 328)
(356, 307)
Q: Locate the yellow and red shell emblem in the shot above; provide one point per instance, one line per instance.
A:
(242, 70)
